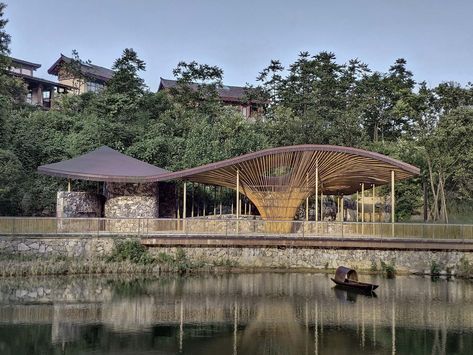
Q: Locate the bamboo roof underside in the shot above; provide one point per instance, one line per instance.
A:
(278, 180)
(341, 170)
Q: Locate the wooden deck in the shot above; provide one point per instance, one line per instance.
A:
(310, 242)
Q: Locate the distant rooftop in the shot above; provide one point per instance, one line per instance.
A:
(90, 70)
(34, 66)
(226, 92)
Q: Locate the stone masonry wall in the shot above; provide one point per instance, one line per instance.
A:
(311, 258)
(81, 247)
(291, 258)
(126, 200)
(78, 204)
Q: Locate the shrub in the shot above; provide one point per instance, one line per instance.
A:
(388, 269)
(374, 266)
(131, 250)
(465, 269)
(434, 268)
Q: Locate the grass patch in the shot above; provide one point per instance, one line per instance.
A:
(389, 270)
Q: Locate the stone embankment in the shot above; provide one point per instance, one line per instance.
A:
(248, 257)
(67, 246)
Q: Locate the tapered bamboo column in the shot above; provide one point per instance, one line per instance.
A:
(373, 218)
(69, 185)
(316, 193)
(362, 202)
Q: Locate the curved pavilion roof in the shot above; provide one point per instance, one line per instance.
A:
(103, 164)
(341, 169)
(278, 180)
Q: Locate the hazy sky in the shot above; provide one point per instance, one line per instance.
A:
(242, 36)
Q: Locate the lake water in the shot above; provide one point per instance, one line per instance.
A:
(260, 313)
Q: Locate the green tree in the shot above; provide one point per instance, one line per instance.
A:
(197, 86)
(12, 90)
(126, 79)
(449, 153)
(11, 172)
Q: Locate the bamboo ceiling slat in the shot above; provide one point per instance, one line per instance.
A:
(278, 180)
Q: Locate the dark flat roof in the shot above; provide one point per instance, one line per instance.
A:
(103, 164)
(35, 79)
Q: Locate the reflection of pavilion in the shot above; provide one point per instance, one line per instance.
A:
(300, 307)
(274, 330)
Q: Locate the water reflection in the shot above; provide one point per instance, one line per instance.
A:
(347, 295)
(265, 313)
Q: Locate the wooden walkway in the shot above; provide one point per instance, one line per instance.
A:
(309, 242)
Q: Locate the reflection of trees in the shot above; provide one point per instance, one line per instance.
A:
(275, 330)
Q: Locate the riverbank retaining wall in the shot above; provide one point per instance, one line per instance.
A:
(405, 261)
(70, 246)
(409, 261)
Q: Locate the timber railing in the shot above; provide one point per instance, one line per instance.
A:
(227, 227)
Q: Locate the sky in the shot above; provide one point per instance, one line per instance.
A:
(242, 36)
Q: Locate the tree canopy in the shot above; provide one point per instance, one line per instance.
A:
(315, 100)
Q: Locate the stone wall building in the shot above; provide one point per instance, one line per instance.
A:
(126, 192)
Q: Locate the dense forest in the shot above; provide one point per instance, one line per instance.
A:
(314, 100)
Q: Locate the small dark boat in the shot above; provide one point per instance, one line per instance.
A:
(348, 278)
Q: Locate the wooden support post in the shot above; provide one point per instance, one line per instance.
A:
(425, 201)
(238, 194)
(215, 201)
(193, 199)
(357, 208)
(204, 212)
(316, 192)
(232, 208)
(220, 199)
(184, 201)
(373, 218)
(307, 198)
(362, 202)
(393, 202)
(343, 207)
(338, 208)
(321, 206)
(249, 206)
(69, 185)
(307, 208)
